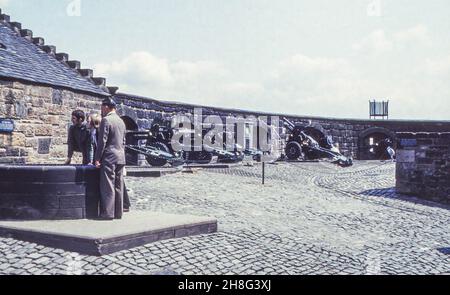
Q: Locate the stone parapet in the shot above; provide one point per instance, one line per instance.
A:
(423, 165)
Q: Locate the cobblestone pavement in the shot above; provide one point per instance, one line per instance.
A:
(309, 218)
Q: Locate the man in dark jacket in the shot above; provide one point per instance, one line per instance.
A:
(77, 138)
(110, 158)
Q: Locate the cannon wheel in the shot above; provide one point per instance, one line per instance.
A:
(293, 150)
(154, 161)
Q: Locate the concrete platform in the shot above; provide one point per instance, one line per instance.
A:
(135, 171)
(213, 165)
(301, 161)
(98, 238)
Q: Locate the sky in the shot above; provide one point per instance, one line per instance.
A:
(316, 58)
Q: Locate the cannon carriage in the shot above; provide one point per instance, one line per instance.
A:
(158, 148)
(307, 143)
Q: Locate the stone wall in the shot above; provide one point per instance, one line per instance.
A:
(42, 116)
(423, 165)
(348, 133)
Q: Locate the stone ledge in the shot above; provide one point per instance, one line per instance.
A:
(136, 171)
(98, 238)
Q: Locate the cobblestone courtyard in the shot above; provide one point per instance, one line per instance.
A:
(309, 218)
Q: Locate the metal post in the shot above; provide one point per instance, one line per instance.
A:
(263, 172)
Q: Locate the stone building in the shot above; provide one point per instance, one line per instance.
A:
(39, 88)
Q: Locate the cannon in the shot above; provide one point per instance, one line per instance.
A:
(307, 143)
(156, 152)
(158, 148)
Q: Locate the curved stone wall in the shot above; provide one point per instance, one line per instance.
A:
(48, 192)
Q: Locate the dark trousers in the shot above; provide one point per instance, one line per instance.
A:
(126, 198)
(111, 190)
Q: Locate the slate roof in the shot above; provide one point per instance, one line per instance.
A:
(21, 59)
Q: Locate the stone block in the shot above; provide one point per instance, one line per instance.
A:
(37, 102)
(25, 128)
(50, 119)
(31, 142)
(18, 85)
(13, 160)
(16, 152)
(5, 140)
(406, 156)
(60, 152)
(53, 109)
(18, 139)
(41, 91)
(43, 130)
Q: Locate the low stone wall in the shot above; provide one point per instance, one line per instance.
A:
(423, 165)
(49, 192)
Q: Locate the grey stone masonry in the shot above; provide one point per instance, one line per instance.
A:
(41, 118)
(423, 165)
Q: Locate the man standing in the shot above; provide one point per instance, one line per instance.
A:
(77, 137)
(110, 158)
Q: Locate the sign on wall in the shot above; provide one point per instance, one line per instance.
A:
(404, 142)
(6, 125)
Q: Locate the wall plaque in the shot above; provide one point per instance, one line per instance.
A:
(405, 142)
(6, 125)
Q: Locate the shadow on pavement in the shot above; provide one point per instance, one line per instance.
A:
(390, 193)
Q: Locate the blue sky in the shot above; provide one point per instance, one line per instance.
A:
(322, 58)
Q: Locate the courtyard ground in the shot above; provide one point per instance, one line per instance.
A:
(309, 218)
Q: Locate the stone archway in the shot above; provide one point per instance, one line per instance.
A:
(368, 139)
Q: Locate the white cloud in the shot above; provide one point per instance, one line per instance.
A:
(142, 67)
(4, 3)
(414, 34)
(150, 75)
(379, 41)
(302, 84)
(436, 66)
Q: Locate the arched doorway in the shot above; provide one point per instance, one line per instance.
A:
(371, 143)
(131, 158)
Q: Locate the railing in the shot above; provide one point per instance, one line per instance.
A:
(379, 109)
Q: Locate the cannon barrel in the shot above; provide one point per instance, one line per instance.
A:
(288, 124)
